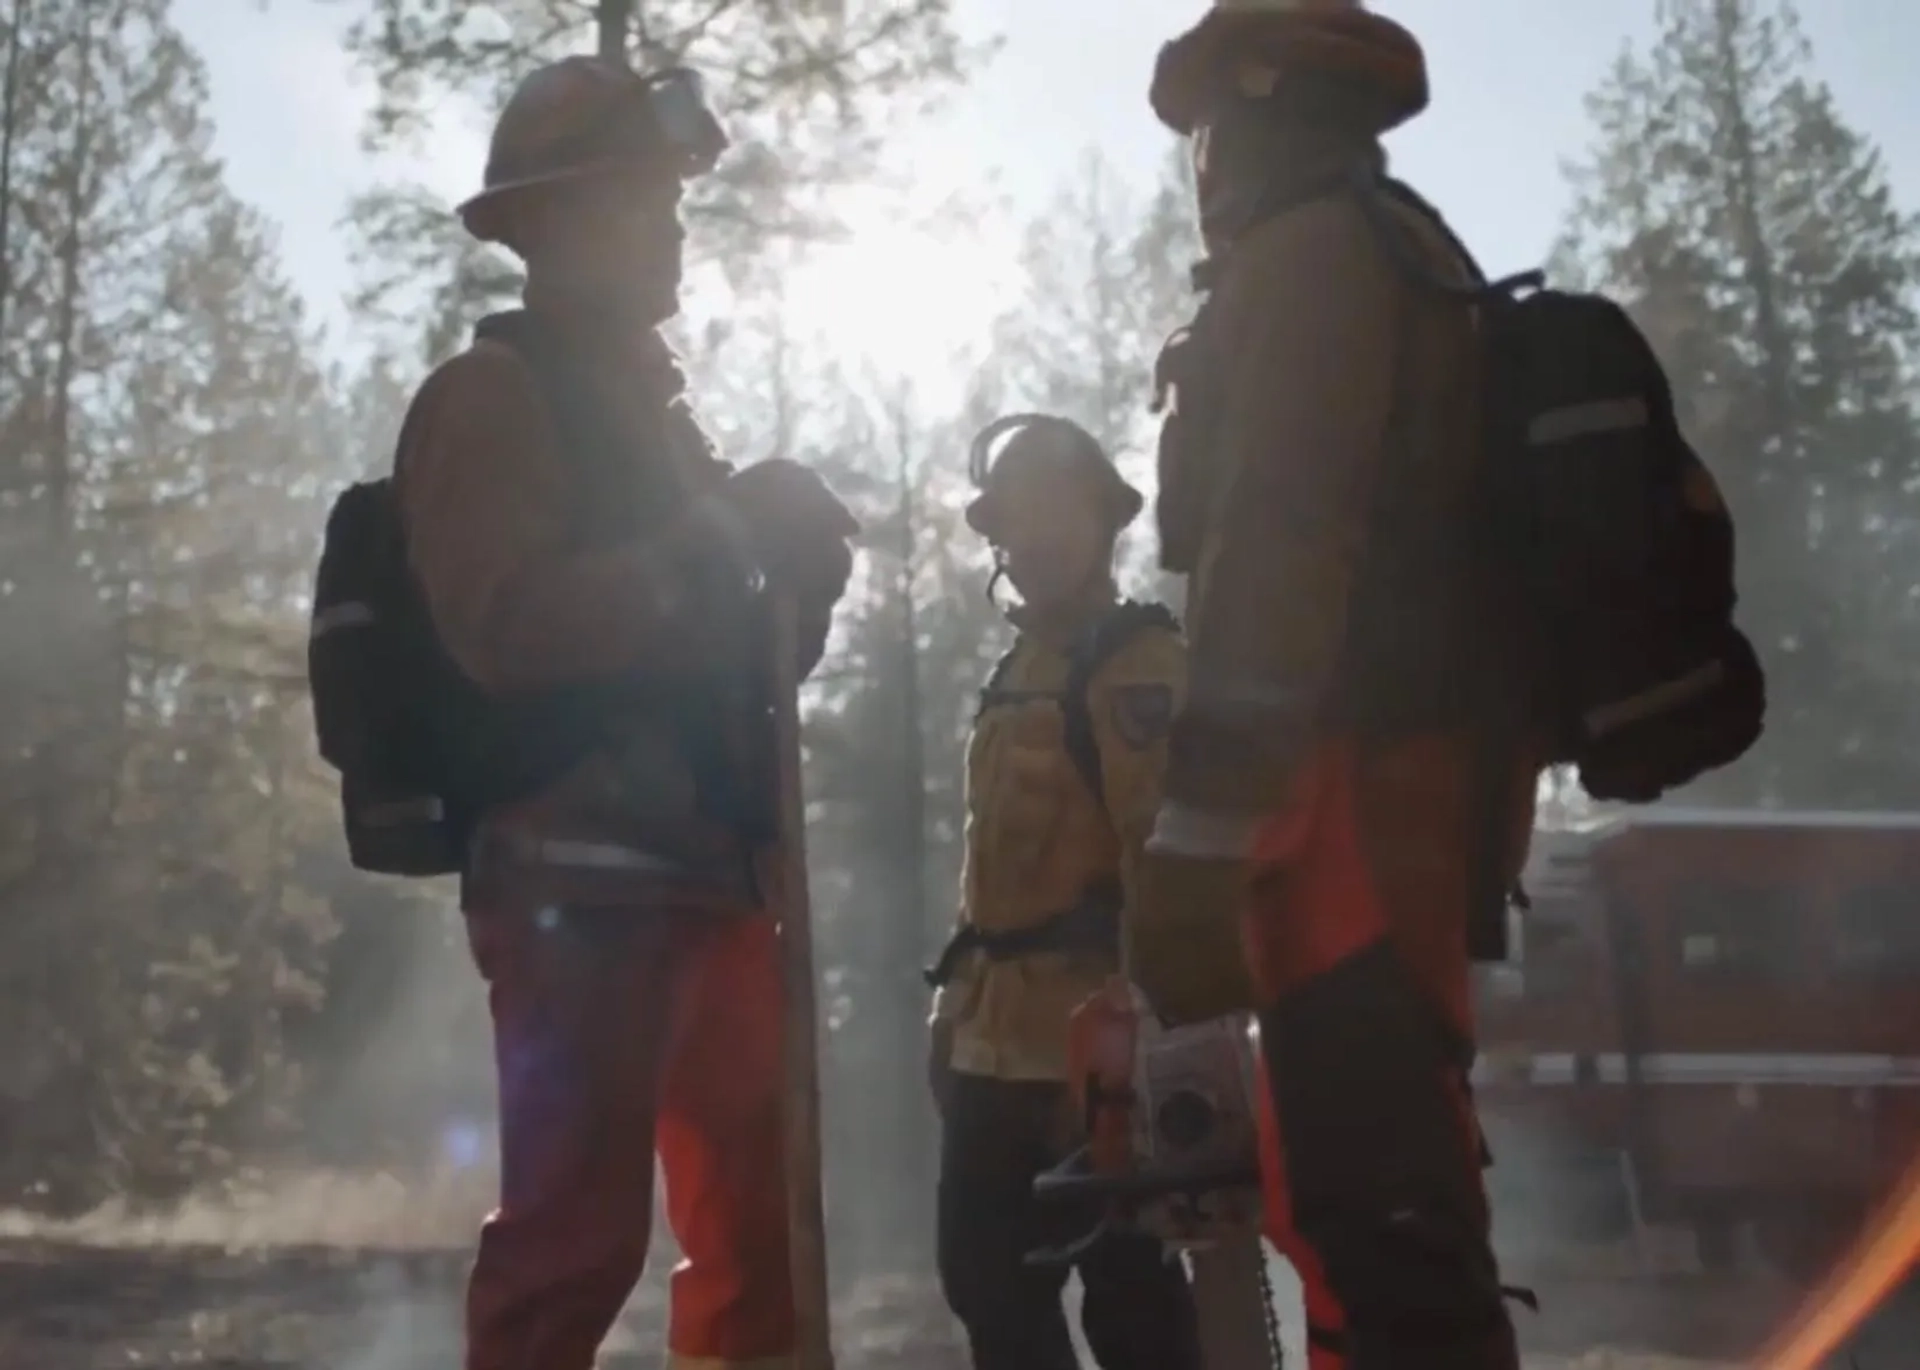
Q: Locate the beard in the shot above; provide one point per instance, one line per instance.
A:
(648, 296)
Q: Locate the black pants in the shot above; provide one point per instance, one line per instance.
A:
(1137, 1313)
(1382, 1163)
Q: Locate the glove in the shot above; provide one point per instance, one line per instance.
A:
(1184, 947)
(797, 527)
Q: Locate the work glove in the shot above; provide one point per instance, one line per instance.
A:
(1184, 947)
(796, 528)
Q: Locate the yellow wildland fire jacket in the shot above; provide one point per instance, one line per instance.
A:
(1063, 778)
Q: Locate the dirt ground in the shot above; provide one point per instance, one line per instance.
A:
(70, 1307)
(372, 1281)
(78, 1307)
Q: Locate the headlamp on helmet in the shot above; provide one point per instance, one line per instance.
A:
(1062, 437)
(1068, 435)
(685, 122)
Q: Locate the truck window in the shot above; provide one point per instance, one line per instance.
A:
(1877, 931)
(1726, 930)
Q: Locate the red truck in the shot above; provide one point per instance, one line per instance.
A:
(1711, 1019)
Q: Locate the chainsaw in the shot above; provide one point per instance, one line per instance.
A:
(1172, 1149)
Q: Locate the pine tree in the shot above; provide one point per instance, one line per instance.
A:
(162, 423)
(885, 717)
(1105, 281)
(807, 91)
(1755, 237)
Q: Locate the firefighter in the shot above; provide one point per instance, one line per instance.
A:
(1062, 774)
(1330, 821)
(572, 530)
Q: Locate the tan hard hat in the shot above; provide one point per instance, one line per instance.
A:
(587, 116)
(1251, 48)
(1043, 437)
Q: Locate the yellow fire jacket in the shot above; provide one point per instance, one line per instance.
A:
(1040, 842)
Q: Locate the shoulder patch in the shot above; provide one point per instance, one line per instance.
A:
(1142, 712)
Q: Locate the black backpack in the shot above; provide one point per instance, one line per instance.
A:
(1101, 642)
(368, 668)
(1608, 532)
(420, 749)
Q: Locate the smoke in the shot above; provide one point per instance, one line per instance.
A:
(439, 1212)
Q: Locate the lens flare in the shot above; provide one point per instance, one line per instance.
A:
(1879, 1259)
(463, 1144)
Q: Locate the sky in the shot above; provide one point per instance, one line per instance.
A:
(1508, 78)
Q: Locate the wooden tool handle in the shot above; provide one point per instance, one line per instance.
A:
(806, 1210)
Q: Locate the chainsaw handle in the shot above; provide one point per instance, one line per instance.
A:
(1075, 1250)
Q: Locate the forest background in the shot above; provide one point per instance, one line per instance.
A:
(197, 993)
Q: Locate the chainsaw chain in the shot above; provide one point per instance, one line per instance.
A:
(1276, 1356)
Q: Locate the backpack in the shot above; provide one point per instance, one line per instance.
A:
(421, 750)
(1608, 531)
(1103, 640)
(365, 674)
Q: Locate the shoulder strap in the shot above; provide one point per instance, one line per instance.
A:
(997, 677)
(1496, 748)
(595, 450)
(1271, 205)
(1102, 641)
(1377, 194)
(584, 430)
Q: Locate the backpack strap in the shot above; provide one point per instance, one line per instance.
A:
(597, 454)
(585, 433)
(1377, 193)
(600, 461)
(1103, 640)
(994, 692)
(1497, 749)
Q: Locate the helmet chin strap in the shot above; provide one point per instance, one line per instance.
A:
(1094, 589)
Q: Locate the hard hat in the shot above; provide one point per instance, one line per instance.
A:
(587, 116)
(1043, 437)
(1250, 48)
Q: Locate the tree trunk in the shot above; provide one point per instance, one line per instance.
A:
(9, 108)
(60, 436)
(1756, 258)
(904, 1005)
(614, 20)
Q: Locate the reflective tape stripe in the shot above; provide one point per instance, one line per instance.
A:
(604, 856)
(1585, 420)
(1183, 830)
(1666, 695)
(1700, 1068)
(352, 614)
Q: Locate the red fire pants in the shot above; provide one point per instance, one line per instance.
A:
(617, 1031)
(1356, 932)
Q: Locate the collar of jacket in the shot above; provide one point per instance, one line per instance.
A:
(608, 336)
(1297, 165)
(1059, 624)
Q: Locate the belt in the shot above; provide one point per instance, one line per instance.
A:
(1092, 924)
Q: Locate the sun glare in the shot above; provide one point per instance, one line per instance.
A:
(904, 302)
